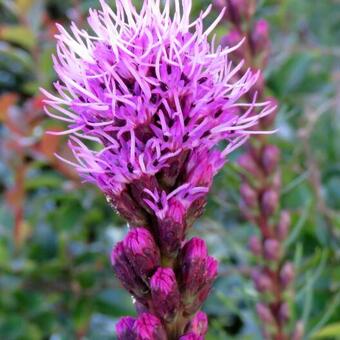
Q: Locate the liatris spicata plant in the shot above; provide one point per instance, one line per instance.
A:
(153, 110)
(261, 180)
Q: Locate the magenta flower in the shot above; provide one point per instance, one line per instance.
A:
(153, 110)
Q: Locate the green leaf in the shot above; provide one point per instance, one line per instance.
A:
(18, 34)
(330, 331)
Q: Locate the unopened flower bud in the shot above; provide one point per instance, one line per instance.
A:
(171, 229)
(165, 293)
(264, 313)
(233, 38)
(271, 249)
(191, 336)
(269, 202)
(247, 162)
(270, 158)
(299, 331)
(198, 273)
(287, 274)
(260, 37)
(248, 195)
(124, 328)
(194, 262)
(142, 251)
(194, 302)
(149, 327)
(199, 324)
(125, 272)
(284, 312)
(261, 281)
(283, 225)
(255, 245)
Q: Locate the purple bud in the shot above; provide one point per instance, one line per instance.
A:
(148, 327)
(193, 303)
(199, 324)
(232, 39)
(299, 331)
(271, 249)
(212, 269)
(191, 336)
(124, 328)
(270, 158)
(125, 272)
(261, 281)
(264, 313)
(283, 225)
(248, 195)
(198, 272)
(284, 312)
(269, 202)
(171, 229)
(247, 162)
(255, 245)
(287, 274)
(210, 276)
(194, 261)
(142, 252)
(165, 293)
(260, 38)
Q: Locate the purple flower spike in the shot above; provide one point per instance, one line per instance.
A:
(153, 109)
(124, 328)
(142, 252)
(165, 293)
(149, 327)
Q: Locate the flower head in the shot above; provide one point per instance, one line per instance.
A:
(151, 95)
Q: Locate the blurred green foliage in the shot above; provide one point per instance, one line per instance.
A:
(56, 234)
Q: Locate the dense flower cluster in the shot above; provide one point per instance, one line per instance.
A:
(153, 110)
